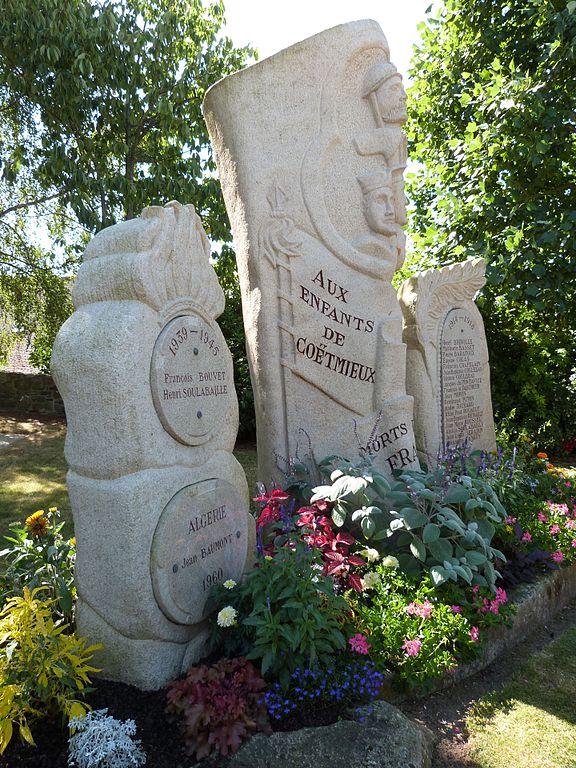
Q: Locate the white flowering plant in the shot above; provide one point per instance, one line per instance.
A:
(100, 741)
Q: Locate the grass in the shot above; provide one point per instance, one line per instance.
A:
(33, 471)
(532, 720)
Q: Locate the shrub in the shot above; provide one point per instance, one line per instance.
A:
(429, 521)
(43, 671)
(40, 556)
(100, 741)
(411, 630)
(218, 706)
(288, 615)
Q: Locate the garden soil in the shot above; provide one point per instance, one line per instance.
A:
(443, 713)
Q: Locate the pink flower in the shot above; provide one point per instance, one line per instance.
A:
(456, 608)
(501, 595)
(474, 634)
(526, 536)
(573, 543)
(510, 520)
(571, 524)
(542, 517)
(554, 529)
(424, 610)
(359, 644)
(568, 484)
(557, 556)
(412, 647)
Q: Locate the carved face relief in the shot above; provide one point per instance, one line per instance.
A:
(391, 100)
(378, 207)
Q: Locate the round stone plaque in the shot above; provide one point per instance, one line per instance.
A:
(191, 378)
(200, 540)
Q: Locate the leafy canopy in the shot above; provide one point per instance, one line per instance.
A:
(100, 114)
(492, 126)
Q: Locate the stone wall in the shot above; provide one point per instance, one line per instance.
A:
(29, 393)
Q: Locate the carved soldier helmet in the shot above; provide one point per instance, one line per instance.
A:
(377, 75)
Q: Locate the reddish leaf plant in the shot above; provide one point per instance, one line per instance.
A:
(218, 706)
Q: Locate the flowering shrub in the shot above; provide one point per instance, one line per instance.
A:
(218, 706)
(285, 613)
(40, 556)
(346, 682)
(100, 741)
(43, 671)
(412, 630)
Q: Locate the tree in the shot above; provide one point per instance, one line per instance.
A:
(100, 114)
(492, 117)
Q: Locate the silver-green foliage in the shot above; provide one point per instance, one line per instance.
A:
(427, 520)
(101, 741)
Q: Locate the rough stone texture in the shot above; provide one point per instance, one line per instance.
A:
(311, 153)
(29, 393)
(385, 739)
(448, 372)
(147, 381)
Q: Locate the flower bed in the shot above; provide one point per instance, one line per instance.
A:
(358, 580)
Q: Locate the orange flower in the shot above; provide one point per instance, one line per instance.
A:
(541, 455)
(37, 523)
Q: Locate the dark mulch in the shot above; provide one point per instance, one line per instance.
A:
(160, 739)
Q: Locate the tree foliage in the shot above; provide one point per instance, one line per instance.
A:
(100, 116)
(492, 117)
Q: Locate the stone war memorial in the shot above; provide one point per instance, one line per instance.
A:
(448, 371)
(311, 153)
(160, 504)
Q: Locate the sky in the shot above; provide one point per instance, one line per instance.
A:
(270, 25)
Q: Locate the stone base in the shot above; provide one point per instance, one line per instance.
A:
(384, 738)
(145, 664)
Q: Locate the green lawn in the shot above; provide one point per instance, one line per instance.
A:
(33, 471)
(532, 721)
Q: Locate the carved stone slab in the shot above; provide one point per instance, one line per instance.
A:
(448, 371)
(310, 152)
(200, 541)
(147, 384)
(191, 379)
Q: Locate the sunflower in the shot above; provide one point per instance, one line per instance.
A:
(37, 523)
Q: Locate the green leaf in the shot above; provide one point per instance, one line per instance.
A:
(441, 549)
(438, 575)
(413, 518)
(339, 514)
(456, 494)
(473, 557)
(431, 532)
(368, 527)
(418, 549)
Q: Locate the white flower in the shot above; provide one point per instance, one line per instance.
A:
(370, 554)
(370, 580)
(229, 584)
(227, 617)
(390, 562)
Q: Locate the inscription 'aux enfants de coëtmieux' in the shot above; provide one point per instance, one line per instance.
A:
(319, 352)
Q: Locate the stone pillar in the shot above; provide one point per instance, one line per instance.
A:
(448, 371)
(310, 153)
(159, 502)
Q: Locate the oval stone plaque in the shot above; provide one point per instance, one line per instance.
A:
(200, 540)
(191, 377)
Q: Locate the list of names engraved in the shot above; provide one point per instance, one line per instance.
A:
(191, 379)
(461, 373)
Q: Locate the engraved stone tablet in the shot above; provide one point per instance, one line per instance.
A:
(191, 378)
(200, 540)
(448, 372)
(462, 366)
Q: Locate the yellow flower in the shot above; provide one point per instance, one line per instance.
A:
(509, 528)
(72, 541)
(37, 523)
